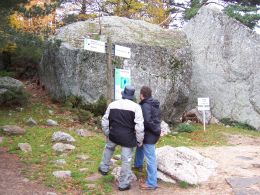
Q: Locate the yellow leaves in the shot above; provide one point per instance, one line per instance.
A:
(10, 47)
(15, 21)
(154, 11)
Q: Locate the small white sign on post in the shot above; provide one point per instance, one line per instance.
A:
(121, 51)
(203, 104)
(94, 45)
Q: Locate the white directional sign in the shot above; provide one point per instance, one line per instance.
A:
(203, 105)
(121, 51)
(203, 101)
(94, 45)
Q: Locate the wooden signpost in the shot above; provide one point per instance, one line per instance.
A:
(102, 47)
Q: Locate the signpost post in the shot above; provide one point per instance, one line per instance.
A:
(203, 105)
(120, 51)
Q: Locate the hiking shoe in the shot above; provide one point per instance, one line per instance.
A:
(102, 172)
(139, 169)
(124, 189)
(144, 186)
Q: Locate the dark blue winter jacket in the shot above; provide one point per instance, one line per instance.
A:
(152, 120)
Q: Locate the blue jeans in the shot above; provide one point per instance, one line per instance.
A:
(147, 151)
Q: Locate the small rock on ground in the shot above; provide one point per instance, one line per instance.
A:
(26, 180)
(25, 147)
(116, 174)
(50, 112)
(51, 193)
(60, 162)
(165, 128)
(117, 157)
(51, 122)
(113, 162)
(13, 130)
(94, 177)
(82, 157)
(60, 147)
(83, 169)
(91, 186)
(83, 132)
(62, 136)
(31, 122)
(62, 174)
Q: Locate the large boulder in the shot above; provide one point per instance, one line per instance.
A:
(226, 66)
(184, 164)
(11, 92)
(160, 59)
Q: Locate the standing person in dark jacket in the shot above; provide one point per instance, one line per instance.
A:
(152, 129)
(123, 125)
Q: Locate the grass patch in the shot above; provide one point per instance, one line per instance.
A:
(184, 127)
(40, 164)
(213, 136)
(5, 73)
(184, 184)
(234, 123)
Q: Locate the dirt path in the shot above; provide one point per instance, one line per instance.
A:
(11, 180)
(241, 159)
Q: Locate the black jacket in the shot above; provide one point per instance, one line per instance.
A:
(123, 123)
(152, 120)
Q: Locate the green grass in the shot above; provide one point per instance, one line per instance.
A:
(214, 135)
(39, 164)
(5, 73)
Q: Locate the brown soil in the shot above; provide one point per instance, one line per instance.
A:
(11, 180)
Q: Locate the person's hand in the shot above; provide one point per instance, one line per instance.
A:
(162, 134)
(139, 144)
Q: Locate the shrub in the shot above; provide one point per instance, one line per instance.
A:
(14, 98)
(234, 123)
(85, 111)
(185, 128)
(5, 73)
(84, 115)
(98, 108)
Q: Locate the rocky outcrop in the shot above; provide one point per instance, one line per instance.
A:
(160, 59)
(226, 66)
(184, 164)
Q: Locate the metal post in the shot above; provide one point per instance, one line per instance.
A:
(109, 70)
(204, 118)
